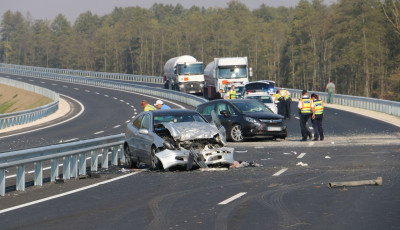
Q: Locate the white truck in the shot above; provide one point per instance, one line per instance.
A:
(223, 72)
(185, 74)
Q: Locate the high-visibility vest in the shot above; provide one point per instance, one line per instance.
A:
(285, 94)
(305, 106)
(149, 107)
(277, 97)
(232, 94)
(319, 107)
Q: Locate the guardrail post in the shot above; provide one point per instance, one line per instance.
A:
(121, 154)
(20, 178)
(74, 166)
(38, 174)
(114, 155)
(104, 158)
(67, 168)
(82, 164)
(54, 170)
(2, 182)
(94, 161)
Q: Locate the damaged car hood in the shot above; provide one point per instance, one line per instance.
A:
(191, 131)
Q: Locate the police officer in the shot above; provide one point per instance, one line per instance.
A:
(288, 100)
(232, 93)
(146, 106)
(316, 119)
(280, 102)
(306, 110)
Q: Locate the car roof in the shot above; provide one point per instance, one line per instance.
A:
(163, 112)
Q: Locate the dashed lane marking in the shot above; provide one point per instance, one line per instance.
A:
(232, 198)
(259, 147)
(65, 86)
(98, 132)
(127, 121)
(97, 93)
(301, 155)
(87, 91)
(76, 88)
(115, 98)
(117, 126)
(280, 172)
(241, 151)
(54, 84)
(106, 95)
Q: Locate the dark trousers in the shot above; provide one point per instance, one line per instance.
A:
(287, 105)
(303, 125)
(281, 107)
(317, 125)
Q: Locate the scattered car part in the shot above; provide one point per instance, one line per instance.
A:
(378, 181)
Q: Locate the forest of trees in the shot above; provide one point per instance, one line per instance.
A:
(356, 43)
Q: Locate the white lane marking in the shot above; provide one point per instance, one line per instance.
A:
(43, 82)
(127, 121)
(87, 91)
(77, 115)
(301, 155)
(298, 118)
(67, 193)
(97, 93)
(134, 110)
(70, 140)
(135, 113)
(302, 164)
(76, 88)
(311, 128)
(98, 132)
(121, 100)
(117, 126)
(133, 116)
(31, 80)
(65, 86)
(232, 198)
(258, 147)
(54, 84)
(132, 106)
(280, 172)
(106, 95)
(115, 98)
(127, 103)
(241, 151)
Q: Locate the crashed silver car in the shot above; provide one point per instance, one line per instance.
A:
(173, 137)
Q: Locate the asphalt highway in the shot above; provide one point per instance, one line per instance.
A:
(288, 188)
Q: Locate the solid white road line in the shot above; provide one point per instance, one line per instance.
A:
(98, 132)
(258, 147)
(230, 199)
(66, 193)
(301, 155)
(280, 172)
(241, 151)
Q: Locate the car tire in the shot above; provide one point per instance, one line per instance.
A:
(155, 162)
(236, 133)
(128, 159)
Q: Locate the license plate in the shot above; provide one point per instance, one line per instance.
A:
(274, 128)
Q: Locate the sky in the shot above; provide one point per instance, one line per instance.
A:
(49, 9)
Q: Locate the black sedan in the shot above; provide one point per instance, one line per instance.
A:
(245, 118)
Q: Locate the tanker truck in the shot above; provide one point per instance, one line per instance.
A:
(184, 74)
(222, 73)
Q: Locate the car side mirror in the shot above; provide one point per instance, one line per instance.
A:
(225, 113)
(144, 131)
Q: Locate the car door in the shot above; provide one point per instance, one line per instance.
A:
(232, 117)
(144, 141)
(205, 110)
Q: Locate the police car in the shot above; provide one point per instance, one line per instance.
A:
(263, 97)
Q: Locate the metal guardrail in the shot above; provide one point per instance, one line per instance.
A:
(374, 104)
(72, 154)
(158, 92)
(83, 73)
(26, 116)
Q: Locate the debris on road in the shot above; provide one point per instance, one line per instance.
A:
(302, 164)
(242, 164)
(378, 181)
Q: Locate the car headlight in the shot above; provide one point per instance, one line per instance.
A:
(252, 120)
(181, 86)
(201, 85)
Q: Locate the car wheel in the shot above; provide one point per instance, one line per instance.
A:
(128, 159)
(236, 133)
(155, 162)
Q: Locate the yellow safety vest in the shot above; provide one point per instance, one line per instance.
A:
(305, 106)
(319, 107)
(232, 94)
(285, 94)
(149, 107)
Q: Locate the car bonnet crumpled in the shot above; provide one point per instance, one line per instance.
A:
(191, 131)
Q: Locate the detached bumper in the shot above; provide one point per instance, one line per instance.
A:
(191, 87)
(170, 158)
